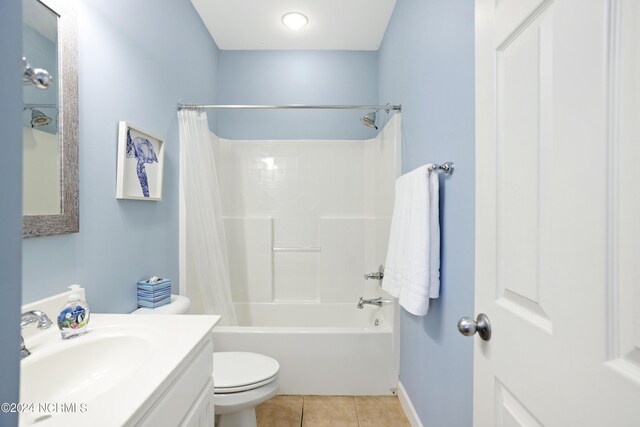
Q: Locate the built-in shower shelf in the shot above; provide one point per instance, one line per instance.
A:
(297, 249)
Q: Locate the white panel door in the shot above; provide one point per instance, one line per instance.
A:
(558, 213)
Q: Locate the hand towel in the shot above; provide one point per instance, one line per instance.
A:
(412, 270)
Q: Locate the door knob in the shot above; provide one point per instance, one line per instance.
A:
(467, 326)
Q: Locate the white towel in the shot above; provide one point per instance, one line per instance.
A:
(412, 270)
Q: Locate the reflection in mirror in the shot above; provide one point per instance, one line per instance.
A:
(41, 172)
(50, 120)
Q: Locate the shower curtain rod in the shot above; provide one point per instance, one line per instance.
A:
(387, 107)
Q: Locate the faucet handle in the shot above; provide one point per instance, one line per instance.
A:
(378, 275)
(45, 322)
(24, 352)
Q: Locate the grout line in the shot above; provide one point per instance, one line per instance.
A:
(355, 407)
(302, 412)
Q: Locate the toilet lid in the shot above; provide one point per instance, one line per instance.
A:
(238, 371)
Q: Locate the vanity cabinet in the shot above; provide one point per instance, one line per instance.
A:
(187, 400)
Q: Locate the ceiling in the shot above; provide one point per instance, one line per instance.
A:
(41, 19)
(333, 24)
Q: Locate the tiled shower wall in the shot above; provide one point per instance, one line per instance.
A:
(306, 218)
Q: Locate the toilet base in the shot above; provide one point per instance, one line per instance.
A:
(239, 409)
(243, 418)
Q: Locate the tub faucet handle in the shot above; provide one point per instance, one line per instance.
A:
(378, 275)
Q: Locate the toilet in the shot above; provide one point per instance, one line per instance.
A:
(241, 380)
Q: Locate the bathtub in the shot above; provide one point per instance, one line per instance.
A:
(334, 349)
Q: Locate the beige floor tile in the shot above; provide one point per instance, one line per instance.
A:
(280, 411)
(380, 411)
(329, 411)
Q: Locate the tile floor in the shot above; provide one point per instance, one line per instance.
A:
(331, 411)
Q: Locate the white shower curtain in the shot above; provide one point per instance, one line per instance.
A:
(206, 247)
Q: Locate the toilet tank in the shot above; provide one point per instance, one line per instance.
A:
(179, 305)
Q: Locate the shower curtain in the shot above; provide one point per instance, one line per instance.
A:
(206, 247)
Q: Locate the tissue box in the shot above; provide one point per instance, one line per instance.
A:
(152, 295)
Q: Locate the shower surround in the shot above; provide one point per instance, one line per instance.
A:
(304, 220)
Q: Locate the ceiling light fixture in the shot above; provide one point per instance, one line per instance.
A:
(38, 118)
(294, 20)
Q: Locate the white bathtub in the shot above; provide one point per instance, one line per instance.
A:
(334, 349)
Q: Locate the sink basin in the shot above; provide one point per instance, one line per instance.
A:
(117, 371)
(82, 368)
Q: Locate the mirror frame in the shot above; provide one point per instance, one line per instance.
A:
(68, 221)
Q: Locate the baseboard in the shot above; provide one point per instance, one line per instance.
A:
(407, 406)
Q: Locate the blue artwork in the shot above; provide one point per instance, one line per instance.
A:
(142, 150)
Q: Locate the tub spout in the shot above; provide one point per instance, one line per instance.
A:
(376, 301)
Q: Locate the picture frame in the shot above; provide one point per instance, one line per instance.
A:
(140, 164)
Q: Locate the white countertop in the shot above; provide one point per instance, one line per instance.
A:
(143, 355)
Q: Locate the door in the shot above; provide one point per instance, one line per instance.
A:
(558, 213)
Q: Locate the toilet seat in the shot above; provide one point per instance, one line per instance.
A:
(224, 390)
(235, 372)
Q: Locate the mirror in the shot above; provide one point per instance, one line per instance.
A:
(50, 120)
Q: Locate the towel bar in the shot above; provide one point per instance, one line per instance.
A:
(446, 168)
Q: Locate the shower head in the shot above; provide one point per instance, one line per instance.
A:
(38, 118)
(369, 120)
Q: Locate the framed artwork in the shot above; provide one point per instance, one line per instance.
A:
(140, 164)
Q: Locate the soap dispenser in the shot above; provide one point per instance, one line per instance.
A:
(74, 317)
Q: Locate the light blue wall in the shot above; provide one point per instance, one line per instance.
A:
(296, 77)
(136, 61)
(426, 63)
(10, 202)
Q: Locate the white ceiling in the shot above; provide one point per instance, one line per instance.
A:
(333, 24)
(41, 19)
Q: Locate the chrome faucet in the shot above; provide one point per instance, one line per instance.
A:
(376, 301)
(34, 316)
